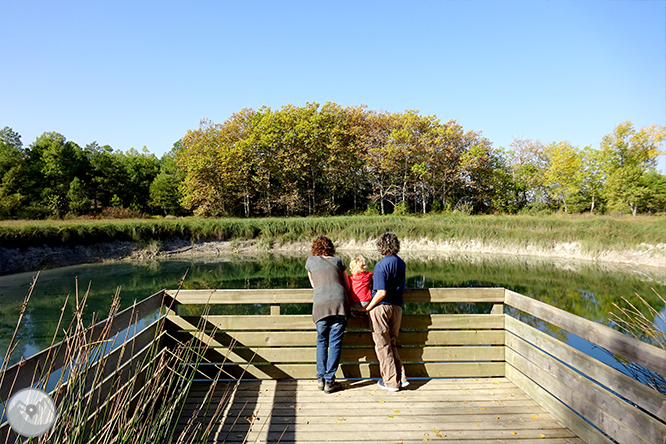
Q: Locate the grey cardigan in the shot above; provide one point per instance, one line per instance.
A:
(329, 293)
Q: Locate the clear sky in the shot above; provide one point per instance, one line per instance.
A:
(141, 73)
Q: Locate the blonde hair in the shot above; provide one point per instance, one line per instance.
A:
(358, 264)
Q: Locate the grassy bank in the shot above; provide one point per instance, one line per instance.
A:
(595, 234)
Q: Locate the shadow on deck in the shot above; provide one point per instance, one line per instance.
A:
(476, 378)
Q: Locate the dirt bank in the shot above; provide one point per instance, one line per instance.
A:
(16, 260)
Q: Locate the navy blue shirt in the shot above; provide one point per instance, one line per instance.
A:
(389, 275)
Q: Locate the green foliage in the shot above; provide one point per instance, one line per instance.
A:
(329, 160)
(78, 201)
(400, 209)
(626, 155)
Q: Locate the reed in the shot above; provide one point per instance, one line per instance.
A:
(633, 320)
(141, 405)
(594, 233)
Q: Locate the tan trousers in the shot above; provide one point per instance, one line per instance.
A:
(385, 325)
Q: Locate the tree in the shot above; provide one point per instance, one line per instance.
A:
(11, 159)
(141, 168)
(77, 197)
(653, 199)
(626, 155)
(478, 163)
(528, 161)
(54, 162)
(443, 159)
(107, 174)
(218, 165)
(378, 161)
(592, 179)
(165, 191)
(563, 172)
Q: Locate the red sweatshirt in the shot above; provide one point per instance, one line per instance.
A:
(361, 285)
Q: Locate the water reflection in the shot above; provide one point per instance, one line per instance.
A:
(584, 288)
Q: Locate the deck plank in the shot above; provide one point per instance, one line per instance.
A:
(474, 411)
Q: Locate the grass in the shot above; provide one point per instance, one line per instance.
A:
(141, 405)
(595, 233)
(632, 320)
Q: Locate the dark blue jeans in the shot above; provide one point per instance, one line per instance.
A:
(329, 345)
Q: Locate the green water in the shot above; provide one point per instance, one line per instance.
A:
(583, 288)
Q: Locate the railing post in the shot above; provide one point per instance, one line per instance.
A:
(275, 309)
(497, 309)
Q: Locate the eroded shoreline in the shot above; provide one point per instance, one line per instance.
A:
(17, 260)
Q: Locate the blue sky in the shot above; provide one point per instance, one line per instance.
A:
(141, 73)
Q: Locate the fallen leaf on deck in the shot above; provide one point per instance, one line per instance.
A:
(381, 400)
(535, 416)
(396, 411)
(483, 408)
(435, 431)
(541, 435)
(390, 416)
(513, 433)
(469, 410)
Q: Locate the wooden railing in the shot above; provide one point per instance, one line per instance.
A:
(282, 346)
(578, 389)
(593, 399)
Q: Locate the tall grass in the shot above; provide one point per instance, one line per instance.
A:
(632, 320)
(138, 404)
(595, 233)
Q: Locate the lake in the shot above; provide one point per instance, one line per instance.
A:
(587, 289)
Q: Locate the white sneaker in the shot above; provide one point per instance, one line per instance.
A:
(386, 387)
(404, 384)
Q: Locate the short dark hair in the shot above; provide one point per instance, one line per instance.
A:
(388, 243)
(323, 246)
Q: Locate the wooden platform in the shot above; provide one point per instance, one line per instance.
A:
(470, 411)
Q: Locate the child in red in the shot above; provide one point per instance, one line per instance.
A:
(360, 283)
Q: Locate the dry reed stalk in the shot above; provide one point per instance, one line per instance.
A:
(135, 402)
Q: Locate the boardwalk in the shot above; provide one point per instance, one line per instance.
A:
(473, 411)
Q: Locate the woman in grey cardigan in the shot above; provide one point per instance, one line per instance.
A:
(330, 309)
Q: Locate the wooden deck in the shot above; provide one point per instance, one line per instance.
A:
(473, 411)
(494, 376)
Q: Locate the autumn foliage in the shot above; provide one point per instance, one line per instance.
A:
(331, 160)
(316, 160)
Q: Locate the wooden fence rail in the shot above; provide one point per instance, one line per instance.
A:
(596, 401)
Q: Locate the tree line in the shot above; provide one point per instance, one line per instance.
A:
(326, 159)
(333, 160)
(54, 177)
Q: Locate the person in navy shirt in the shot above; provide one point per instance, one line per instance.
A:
(385, 312)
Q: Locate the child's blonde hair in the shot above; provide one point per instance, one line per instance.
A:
(358, 264)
